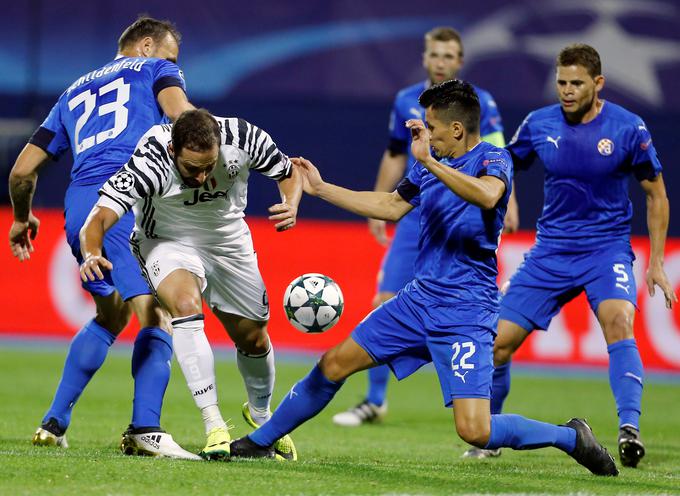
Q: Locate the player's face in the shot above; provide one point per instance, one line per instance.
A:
(442, 134)
(166, 49)
(442, 60)
(576, 89)
(196, 167)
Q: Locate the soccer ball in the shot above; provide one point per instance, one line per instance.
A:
(313, 303)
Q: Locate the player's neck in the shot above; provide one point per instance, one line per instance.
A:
(466, 145)
(589, 115)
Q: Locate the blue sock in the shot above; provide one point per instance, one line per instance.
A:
(86, 354)
(151, 357)
(625, 378)
(500, 387)
(520, 433)
(378, 377)
(305, 399)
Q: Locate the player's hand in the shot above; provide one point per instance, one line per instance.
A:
(378, 229)
(311, 178)
(285, 214)
(420, 144)
(20, 236)
(91, 268)
(656, 276)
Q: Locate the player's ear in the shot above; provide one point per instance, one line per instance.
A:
(171, 150)
(458, 129)
(599, 82)
(147, 46)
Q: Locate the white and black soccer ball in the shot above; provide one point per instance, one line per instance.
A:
(313, 303)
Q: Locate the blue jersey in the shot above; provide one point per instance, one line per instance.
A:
(458, 241)
(587, 169)
(104, 113)
(406, 107)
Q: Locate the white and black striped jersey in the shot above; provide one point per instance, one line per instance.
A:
(212, 214)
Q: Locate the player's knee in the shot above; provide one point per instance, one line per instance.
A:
(332, 367)
(502, 353)
(114, 321)
(381, 298)
(186, 304)
(253, 342)
(618, 327)
(473, 431)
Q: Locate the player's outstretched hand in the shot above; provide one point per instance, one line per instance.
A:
(285, 214)
(20, 236)
(91, 268)
(311, 178)
(378, 229)
(656, 276)
(420, 144)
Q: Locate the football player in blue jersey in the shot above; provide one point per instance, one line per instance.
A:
(447, 314)
(442, 60)
(590, 148)
(100, 117)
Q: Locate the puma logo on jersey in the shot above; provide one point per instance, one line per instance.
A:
(205, 196)
(554, 141)
(462, 376)
(626, 288)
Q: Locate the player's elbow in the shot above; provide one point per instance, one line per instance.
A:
(488, 202)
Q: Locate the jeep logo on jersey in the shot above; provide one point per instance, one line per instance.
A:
(205, 196)
(123, 181)
(605, 147)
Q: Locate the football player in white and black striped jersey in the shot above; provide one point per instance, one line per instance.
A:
(187, 185)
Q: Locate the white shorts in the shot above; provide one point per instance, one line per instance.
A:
(230, 280)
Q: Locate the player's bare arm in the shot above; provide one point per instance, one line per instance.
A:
(392, 167)
(657, 224)
(100, 220)
(174, 101)
(22, 182)
(286, 211)
(373, 204)
(483, 192)
(511, 220)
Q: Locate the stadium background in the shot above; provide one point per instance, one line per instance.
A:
(320, 77)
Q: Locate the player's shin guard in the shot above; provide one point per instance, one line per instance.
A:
(500, 387)
(520, 433)
(197, 362)
(378, 378)
(626, 380)
(151, 358)
(305, 399)
(86, 355)
(258, 376)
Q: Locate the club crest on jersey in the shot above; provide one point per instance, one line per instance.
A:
(232, 168)
(123, 181)
(605, 146)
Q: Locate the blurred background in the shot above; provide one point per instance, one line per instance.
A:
(320, 77)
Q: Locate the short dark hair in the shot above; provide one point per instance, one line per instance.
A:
(583, 55)
(148, 26)
(445, 33)
(195, 130)
(454, 100)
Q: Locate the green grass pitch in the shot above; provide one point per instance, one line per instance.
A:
(415, 451)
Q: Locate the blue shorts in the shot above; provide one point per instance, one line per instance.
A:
(398, 265)
(126, 276)
(547, 280)
(410, 331)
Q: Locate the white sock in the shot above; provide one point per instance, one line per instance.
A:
(197, 362)
(258, 376)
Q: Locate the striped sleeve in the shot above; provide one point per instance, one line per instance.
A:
(142, 177)
(265, 156)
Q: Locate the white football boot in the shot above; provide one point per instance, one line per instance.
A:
(157, 443)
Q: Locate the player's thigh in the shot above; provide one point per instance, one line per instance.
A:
(394, 334)
(509, 338)
(149, 312)
(250, 336)
(234, 283)
(112, 312)
(174, 271)
(472, 417)
(463, 359)
(345, 359)
(538, 290)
